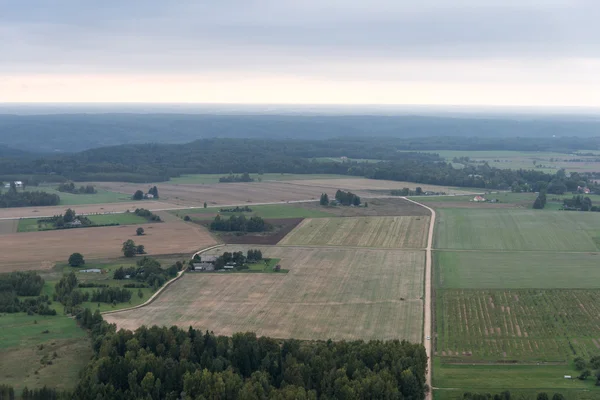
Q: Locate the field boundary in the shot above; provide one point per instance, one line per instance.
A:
(427, 306)
(162, 289)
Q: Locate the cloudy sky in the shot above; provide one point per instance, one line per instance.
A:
(459, 52)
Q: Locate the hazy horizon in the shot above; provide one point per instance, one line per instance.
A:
(536, 53)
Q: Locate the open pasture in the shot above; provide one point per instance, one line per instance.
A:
(32, 225)
(101, 196)
(380, 232)
(517, 229)
(328, 293)
(549, 325)
(377, 207)
(40, 250)
(38, 212)
(27, 355)
(516, 270)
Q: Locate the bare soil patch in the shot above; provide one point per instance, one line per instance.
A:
(40, 250)
(281, 227)
(328, 293)
(8, 226)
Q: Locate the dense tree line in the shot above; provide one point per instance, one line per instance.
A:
(580, 203)
(16, 284)
(66, 292)
(69, 187)
(111, 295)
(245, 177)
(44, 393)
(13, 198)
(149, 215)
(347, 198)
(171, 363)
(240, 224)
(236, 209)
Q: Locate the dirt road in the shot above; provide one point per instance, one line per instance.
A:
(427, 339)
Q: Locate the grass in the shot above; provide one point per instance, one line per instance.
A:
(328, 293)
(508, 270)
(389, 232)
(527, 380)
(533, 325)
(101, 196)
(515, 229)
(203, 179)
(273, 211)
(32, 225)
(31, 358)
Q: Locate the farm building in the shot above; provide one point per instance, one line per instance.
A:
(149, 196)
(202, 266)
(18, 184)
(229, 267)
(479, 198)
(91, 270)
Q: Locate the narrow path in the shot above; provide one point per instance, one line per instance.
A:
(428, 301)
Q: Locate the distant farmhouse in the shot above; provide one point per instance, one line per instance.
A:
(203, 263)
(18, 184)
(479, 198)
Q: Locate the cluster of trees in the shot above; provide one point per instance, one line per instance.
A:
(540, 200)
(69, 187)
(130, 249)
(240, 224)
(111, 295)
(16, 284)
(76, 260)
(347, 198)
(66, 220)
(407, 192)
(324, 200)
(154, 192)
(45, 393)
(149, 215)
(245, 177)
(149, 271)
(139, 195)
(172, 363)
(237, 258)
(588, 368)
(67, 293)
(236, 209)
(254, 255)
(580, 203)
(12, 198)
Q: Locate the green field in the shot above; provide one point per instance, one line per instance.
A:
(274, 211)
(527, 380)
(101, 196)
(29, 357)
(31, 224)
(551, 325)
(516, 229)
(508, 270)
(198, 179)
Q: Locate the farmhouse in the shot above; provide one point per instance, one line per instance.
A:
(149, 196)
(91, 270)
(18, 184)
(479, 198)
(202, 266)
(583, 189)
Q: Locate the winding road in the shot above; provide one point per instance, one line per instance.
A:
(427, 301)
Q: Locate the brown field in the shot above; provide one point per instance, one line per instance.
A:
(281, 227)
(8, 226)
(355, 184)
(407, 232)
(265, 192)
(376, 208)
(32, 212)
(40, 250)
(328, 293)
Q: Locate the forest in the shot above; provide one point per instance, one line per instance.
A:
(16, 284)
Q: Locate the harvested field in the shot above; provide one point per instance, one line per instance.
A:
(36, 212)
(228, 193)
(358, 184)
(40, 250)
(382, 232)
(524, 325)
(281, 227)
(376, 208)
(517, 229)
(8, 226)
(328, 293)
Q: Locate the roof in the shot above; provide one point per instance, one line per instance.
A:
(208, 258)
(96, 270)
(229, 267)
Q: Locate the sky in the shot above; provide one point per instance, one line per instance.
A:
(425, 52)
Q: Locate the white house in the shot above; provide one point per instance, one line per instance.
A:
(18, 184)
(479, 198)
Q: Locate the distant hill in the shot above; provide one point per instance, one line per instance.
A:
(76, 132)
